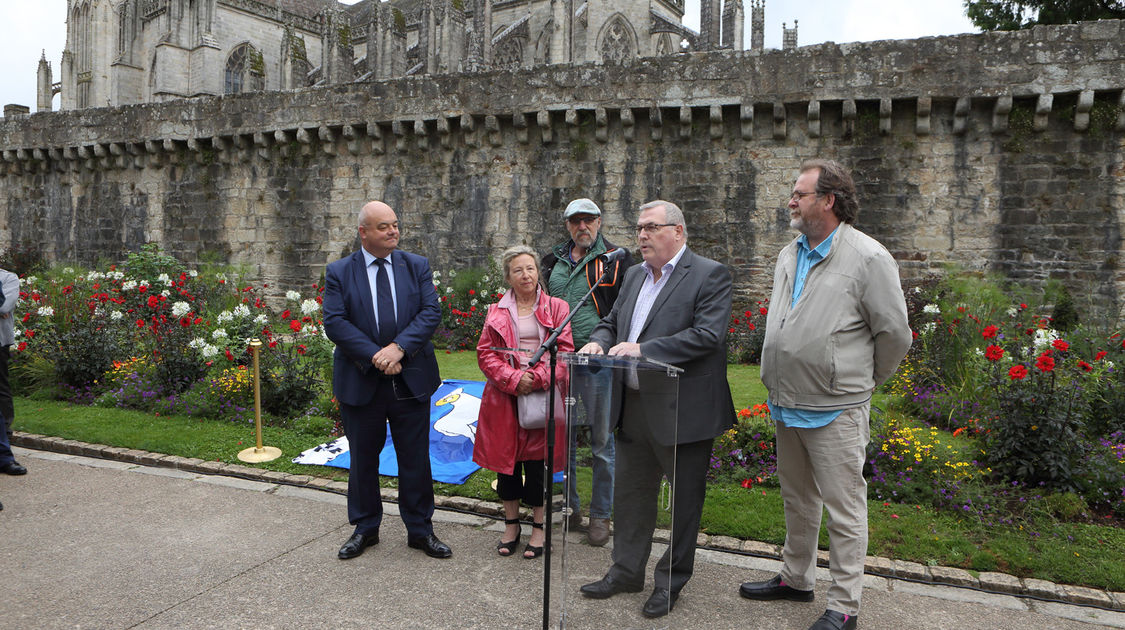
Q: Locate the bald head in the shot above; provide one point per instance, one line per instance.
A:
(378, 228)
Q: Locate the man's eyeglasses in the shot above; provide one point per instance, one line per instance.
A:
(798, 195)
(652, 228)
(588, 220)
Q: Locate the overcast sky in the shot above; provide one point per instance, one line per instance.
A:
(32, 26)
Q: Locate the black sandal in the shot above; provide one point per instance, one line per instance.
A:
(505, 549)
(535, 551)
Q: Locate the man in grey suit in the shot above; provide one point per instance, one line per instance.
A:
(672, 308)
(9, 295)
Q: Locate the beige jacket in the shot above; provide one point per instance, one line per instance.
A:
(846, 335)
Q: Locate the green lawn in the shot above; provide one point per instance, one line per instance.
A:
(1069, 553)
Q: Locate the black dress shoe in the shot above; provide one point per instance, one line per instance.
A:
(433, 547)
(773, 589)
(355, 545)
(832, 620)
(660, 603)
(13, 468)
(608, 587)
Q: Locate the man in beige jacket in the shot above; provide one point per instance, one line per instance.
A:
(836, 329)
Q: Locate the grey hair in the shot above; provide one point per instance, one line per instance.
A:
(672, 212)
(517, 250)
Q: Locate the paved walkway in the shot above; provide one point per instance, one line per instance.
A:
(95, 543)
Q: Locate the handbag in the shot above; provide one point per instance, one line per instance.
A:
(533, 408)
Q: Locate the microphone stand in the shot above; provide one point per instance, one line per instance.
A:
(550, 345)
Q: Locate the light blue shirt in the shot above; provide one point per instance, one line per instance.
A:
(806, 260)
(650, 288)
(372, 274)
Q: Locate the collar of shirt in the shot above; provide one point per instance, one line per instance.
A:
(668, 266)
(369, 258)
(806, 259)
(820, 251)
(372, 280)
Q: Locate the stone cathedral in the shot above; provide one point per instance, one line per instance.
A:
(121, 52)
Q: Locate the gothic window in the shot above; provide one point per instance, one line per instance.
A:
(617, 41)
(122, 17)
(664, 45)
(245, 71)
(508, 53)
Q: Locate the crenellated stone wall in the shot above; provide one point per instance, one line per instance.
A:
(998, 152)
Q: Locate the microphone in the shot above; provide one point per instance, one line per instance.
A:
(616, 254)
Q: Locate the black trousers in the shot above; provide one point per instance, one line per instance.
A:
(366, 429)
(6, 408)
(528, 489)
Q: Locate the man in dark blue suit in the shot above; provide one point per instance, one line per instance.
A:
(381, 309)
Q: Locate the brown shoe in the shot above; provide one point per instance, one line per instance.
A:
(574, 520)
(598, 532)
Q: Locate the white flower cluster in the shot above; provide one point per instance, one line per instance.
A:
(242, 310)
(165, 279)
(218, 334)
(1044, 337)
(31, 280)
(143, 283)
(928, 328)
(192, 273)
(931, 309)
(116, 315)
(68, 270)
(292, 296)
(128, 285)
(225, 316)
(45, 311)
(221, 276)
(261, 319)
(308, 307)
(115, 275)
(94, 276)
(179, 309)
(1013, 311)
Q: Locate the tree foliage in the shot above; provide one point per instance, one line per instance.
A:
(1009, 15)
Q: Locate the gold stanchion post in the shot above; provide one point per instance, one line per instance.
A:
(258, 453)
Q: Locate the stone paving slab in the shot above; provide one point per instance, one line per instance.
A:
(166, 547)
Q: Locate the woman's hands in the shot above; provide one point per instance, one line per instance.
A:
(525, 384)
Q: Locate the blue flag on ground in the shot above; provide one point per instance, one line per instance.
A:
(453, 428)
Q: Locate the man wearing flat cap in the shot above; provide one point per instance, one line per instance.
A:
(569, 270)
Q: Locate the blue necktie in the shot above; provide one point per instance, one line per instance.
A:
(386, 305)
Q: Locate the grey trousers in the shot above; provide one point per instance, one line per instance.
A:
(641, 464)
(823, 469)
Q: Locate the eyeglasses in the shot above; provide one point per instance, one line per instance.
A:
(588, 220)
(652, 228)
(798, 195)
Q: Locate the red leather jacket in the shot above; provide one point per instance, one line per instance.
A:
(500, 440)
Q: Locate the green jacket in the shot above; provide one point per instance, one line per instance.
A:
(564, 279)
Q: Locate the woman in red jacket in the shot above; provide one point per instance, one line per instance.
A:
(521, 319)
